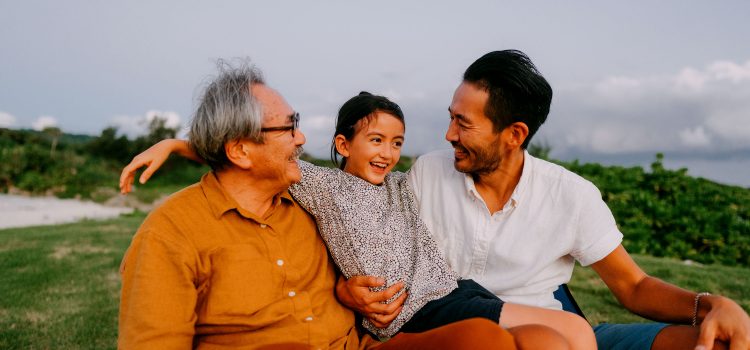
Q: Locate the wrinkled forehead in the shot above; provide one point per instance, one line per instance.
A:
(275, 108)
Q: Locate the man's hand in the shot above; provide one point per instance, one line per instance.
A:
(355, 293)
(725, 321)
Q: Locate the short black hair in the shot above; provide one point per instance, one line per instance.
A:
(518, 92)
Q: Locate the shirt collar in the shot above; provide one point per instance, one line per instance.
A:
(221, 202)
(517, 192)
(523, 182)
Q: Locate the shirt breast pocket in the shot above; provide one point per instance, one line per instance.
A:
(242, 282)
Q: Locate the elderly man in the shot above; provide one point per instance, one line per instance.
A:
(516, 224)
(233, 261)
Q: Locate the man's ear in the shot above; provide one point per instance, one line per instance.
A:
(342, 145)
(238, 152)
(516, 134)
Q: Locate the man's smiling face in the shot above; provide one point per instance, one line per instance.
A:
(471, 133)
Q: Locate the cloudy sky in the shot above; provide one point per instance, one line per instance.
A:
(630, 78)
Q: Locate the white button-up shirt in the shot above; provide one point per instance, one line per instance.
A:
(523, 252)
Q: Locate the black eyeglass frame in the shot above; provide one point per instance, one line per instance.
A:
(292, 128)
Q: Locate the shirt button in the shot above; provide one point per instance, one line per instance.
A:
(280, 262)
(292, 293)
(308, 318)
(263, 225)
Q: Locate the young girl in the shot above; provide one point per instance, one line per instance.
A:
(368, 217)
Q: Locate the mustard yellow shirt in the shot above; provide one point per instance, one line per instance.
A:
(203, 273)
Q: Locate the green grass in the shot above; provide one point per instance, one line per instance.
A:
(59, 285)
(599, 305)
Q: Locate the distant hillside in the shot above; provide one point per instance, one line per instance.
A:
(75, 139)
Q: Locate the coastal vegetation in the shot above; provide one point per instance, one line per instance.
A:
(661, 212)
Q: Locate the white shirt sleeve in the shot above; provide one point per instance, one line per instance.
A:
(597, 233)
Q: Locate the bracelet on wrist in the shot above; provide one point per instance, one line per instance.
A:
(696, 304)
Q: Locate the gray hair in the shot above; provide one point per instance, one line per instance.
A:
(226, 111)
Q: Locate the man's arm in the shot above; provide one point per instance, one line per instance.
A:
(720, 317)
(157, 304)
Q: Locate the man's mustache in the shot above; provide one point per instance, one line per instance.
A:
(297, 152)
(458, 146)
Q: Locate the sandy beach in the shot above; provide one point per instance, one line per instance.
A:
(20, 211)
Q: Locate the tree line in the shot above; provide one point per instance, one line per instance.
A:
(55, 163)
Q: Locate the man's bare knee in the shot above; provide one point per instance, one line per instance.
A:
(536, 336)
(479, 332)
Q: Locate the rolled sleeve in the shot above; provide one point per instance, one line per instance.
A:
(597, 234)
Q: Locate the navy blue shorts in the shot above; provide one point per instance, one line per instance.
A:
(634, 336)
(469, 300)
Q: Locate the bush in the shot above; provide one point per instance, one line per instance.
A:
(668, 213)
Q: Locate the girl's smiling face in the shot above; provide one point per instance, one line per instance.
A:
(375, 147)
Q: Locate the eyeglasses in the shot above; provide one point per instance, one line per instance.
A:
(295, 125)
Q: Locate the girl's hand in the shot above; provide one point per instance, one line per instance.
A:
(152, 158)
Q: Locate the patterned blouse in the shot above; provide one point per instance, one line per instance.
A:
(376, 231)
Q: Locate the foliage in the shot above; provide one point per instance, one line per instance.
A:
(540, 149)
(51, 162)
(41, 163)
(668, 213)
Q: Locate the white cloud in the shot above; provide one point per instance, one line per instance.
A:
(707, 108)
(402, 95)
(732, 125)
(173, 119)
(726, 70)
(695, 137)
(618, 84)
(43, 122)
(318, 122)
(318, 130)
(7, 120)
(128, 125)
(691, 79)
(717, 73)
(136, 125)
